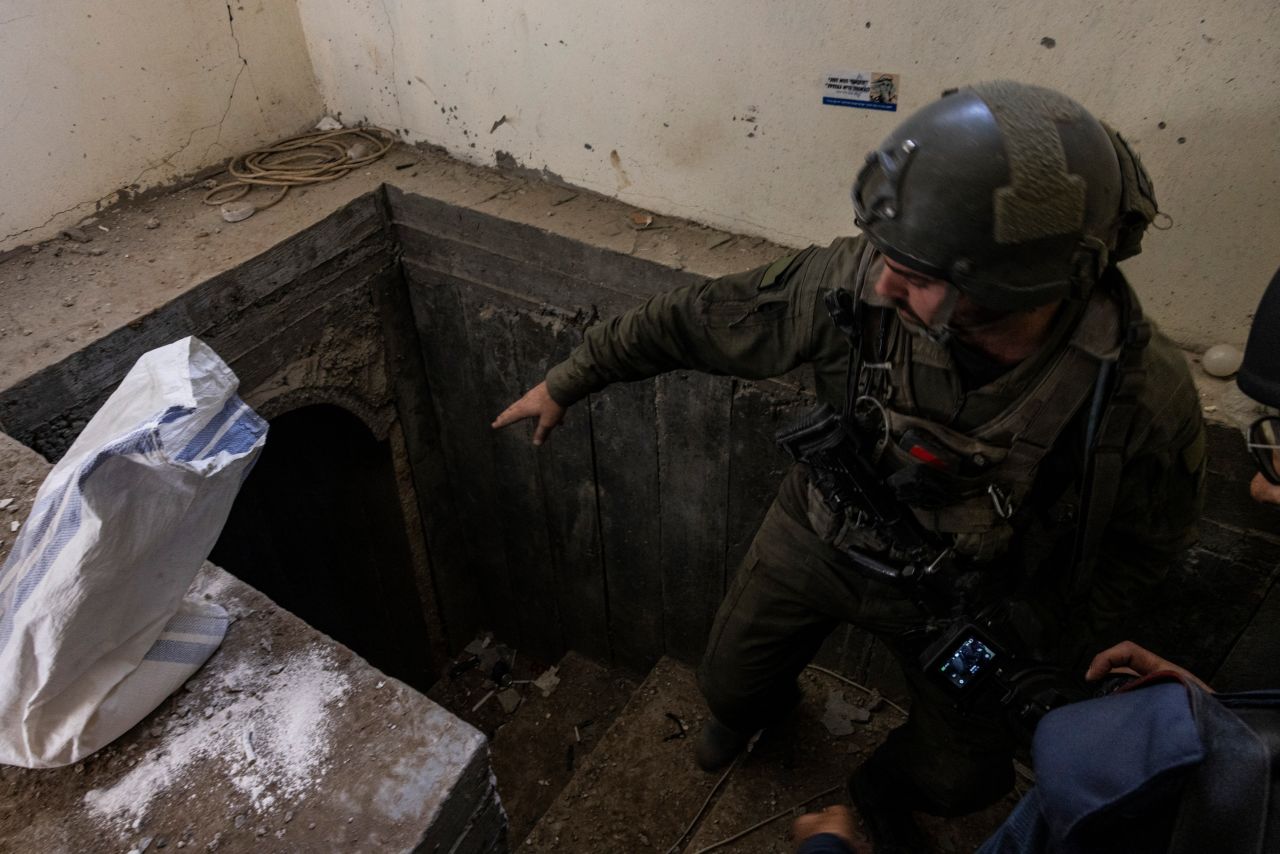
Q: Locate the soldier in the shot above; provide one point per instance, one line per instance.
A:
(1034, 423)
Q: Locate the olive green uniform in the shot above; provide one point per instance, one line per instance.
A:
(793, 588)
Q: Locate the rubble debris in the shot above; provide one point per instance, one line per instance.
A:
(5, 502)
(88, 250)
(15, 525)
(840, 715)
(510, 700)
(641, 220)
(500, 674)
(328, 123)
(483, 700)
(153, 223)
(682, 729)
(488, 658)
(547, 682)
(463, 666)
(478, 645)
(76, 234)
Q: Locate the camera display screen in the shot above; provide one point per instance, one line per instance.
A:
(966, 662)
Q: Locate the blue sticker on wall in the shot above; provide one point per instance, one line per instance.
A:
(867, 90)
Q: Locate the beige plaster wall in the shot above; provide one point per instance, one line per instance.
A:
(712, 110)
(97, 95)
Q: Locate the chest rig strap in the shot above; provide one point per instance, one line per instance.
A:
(1115, 402)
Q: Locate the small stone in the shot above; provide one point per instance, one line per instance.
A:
(153, 223)
(209, 712)
(641, 220)
(89, 250)
(261, 831)
(14, 526)
(5, 502)
(145, 843)
(78, 235)
(68, 301)
(161, 842)
(311, 826)
(239, 821)
(237, 211)
(288, 816)
(1222, 360)
(510, 700)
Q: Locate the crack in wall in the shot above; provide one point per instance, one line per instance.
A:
(395, 79)
(166, 160)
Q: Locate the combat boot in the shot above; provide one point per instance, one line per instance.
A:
(718, 745)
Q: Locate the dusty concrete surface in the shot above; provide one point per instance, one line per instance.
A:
(641, 789)
(537, 747)
(283, 741)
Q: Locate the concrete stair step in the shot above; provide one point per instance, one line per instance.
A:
(536, 748)
(639, 790)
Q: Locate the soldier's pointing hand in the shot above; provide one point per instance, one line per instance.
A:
(536, 403)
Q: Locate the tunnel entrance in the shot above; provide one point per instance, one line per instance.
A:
(317, 527)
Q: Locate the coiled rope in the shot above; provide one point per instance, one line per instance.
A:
(309, 158)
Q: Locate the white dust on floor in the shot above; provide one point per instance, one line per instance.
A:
(266, 731)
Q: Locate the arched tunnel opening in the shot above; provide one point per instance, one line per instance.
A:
(317, 527)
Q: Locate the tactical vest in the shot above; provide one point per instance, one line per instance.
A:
(970, 485)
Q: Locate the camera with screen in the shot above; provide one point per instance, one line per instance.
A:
(979, 662)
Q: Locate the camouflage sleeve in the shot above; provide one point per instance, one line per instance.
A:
(752, 325)
(1157, 509)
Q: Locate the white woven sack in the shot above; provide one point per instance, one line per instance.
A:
(94, 630)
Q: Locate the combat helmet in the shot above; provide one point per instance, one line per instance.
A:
(1013, 193)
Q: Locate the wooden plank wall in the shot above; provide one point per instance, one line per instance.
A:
(618, 536)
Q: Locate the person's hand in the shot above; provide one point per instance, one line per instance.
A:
(1128, 657)
(1263, 491)
(536, 403)
(837, 820)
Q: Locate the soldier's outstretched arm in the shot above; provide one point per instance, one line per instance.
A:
(756, 324)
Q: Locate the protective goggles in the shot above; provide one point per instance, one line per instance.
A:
(1264, 443)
